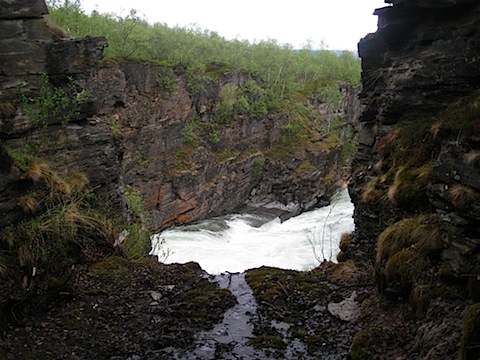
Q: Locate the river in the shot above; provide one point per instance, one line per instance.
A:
(235, 243)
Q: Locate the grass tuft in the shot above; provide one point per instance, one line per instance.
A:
(462, 196)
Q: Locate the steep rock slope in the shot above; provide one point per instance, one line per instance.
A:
(415, 177)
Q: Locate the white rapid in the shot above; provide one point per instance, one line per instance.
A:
(236, 243)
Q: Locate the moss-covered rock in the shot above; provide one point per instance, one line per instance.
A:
(280, 288)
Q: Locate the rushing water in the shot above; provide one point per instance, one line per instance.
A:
(236, 243)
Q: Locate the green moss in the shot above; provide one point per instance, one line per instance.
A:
(113, 267)
(216, 70)
(462, 115)
(341, 257)
(267, 341)
(403, 269)
(279, 288)
(409, 187)
(363, 343)
(226, 154)
(316, 341)
(346, 242)
(202, 301)
(428, 233)
(471, 333)
(22, 160)
(306, 167)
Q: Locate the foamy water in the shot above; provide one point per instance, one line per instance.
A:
(235, 243)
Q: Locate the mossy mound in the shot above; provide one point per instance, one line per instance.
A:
(280, 289)
(408, 249)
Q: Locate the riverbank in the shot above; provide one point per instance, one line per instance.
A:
(120, 309)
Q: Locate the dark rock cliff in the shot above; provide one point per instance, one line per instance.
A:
(415, 177)
(422, 60)
(131, 132)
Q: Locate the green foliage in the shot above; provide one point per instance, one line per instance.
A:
(183, 159)
(141, 160)
(214, 137)
(258, 167)
(115, 128)
(188, 132)
(283, 69)
(137, 242)
(134, 201)
(349, 150)
(52, 103)
(166, 79)
(228, 99)
(20, 159)
(224, 113)
(226, 154)
(195, 81)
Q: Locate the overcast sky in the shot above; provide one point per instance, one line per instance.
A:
(338, 23)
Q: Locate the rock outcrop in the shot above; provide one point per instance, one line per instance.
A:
(131, 133)
(415, 176)
(422, 59)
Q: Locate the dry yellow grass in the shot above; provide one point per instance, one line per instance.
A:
(461, 196)
(29, 204)
(348, 273)
(37, 171)
(472, 158)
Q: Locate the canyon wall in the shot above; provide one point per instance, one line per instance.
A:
(421, 74)
(132, 133)
(415, 179)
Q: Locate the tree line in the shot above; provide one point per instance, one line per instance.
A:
(282, 68)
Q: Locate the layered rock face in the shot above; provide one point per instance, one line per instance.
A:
(415, 177)
(133, 134)
(420, 74)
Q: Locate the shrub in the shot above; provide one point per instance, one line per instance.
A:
(214, 137)
(188, 132)
(258, 167)
(53, 104)
(166, 79)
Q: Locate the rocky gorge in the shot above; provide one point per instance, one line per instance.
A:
(408, 273)
(138, 128)
(135, 131)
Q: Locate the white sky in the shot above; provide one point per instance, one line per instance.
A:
(339, 23)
